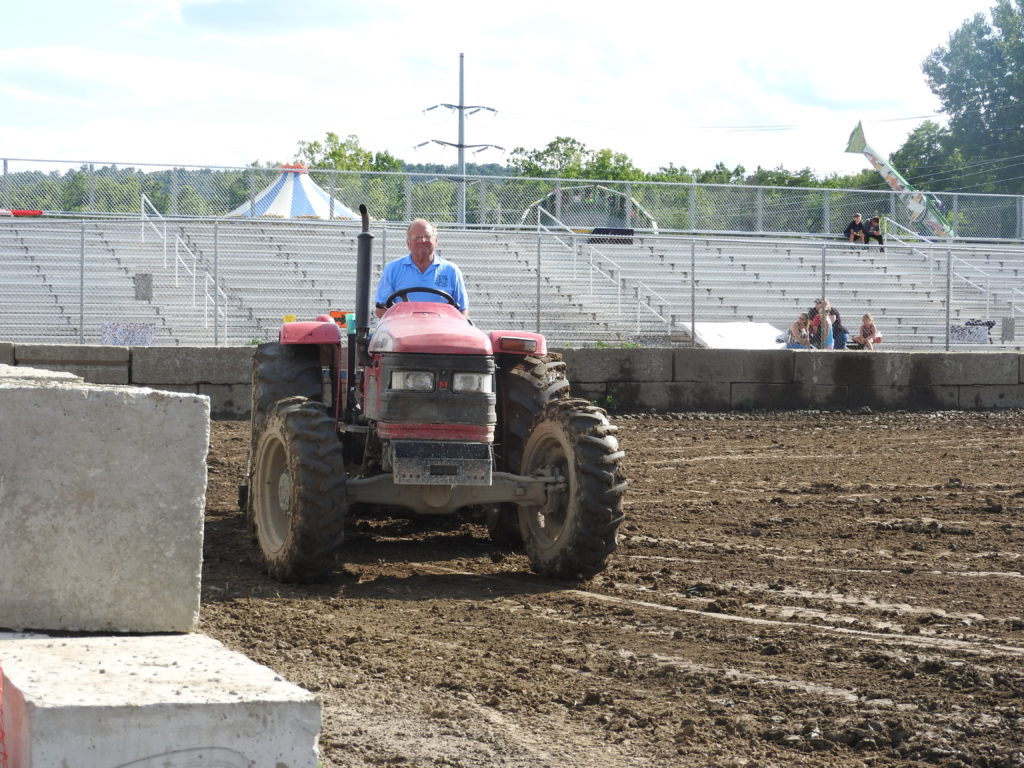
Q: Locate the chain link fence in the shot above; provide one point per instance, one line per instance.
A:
(188, 191)
(196, 281)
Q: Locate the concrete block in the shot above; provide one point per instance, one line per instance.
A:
(771, 366)
(185, 365)
(6, 353)
(904, 397)
(594, 365)
(756, 396)
(102, 492)
(228, 401)
(962, 368)
(24, 373)
(176, 701)
(856, 368)
(95, 363)
(669, 396)
(981, 397)
(593, 391)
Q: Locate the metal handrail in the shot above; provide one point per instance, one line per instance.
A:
(619, 282)
(192, 271)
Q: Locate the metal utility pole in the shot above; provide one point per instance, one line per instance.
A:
(462, 146)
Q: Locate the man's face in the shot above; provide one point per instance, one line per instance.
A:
(422, 241)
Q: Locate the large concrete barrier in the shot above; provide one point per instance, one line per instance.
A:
(102, 491)
(727, 379)
(176, 701)
(624, 379)
(102, 495)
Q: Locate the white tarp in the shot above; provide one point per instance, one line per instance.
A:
(738, 335)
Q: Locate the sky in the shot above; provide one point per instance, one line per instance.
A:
(231, 82)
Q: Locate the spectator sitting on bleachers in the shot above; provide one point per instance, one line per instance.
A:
(873, 231)
(854, 231)
(799, 334)
(839, 332)
(868, 336)
(832, 325)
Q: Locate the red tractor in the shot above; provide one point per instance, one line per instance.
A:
(432, 415)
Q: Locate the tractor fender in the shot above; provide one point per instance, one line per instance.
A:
(319, 331)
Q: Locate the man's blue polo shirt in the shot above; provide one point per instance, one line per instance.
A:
(442, 274)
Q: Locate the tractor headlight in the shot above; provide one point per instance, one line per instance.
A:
(415, 381)
(480, 383)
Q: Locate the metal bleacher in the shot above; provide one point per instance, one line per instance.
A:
(201, 282)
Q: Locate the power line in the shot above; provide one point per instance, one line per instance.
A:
(462, 146)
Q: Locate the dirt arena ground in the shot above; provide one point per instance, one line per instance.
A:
(794, 589)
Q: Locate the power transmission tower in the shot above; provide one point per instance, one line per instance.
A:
(462, 146)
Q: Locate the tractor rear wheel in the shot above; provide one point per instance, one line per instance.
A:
(278, 371)
(524, 390)
(297, 497)
(573, 533)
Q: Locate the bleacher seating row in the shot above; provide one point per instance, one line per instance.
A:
(70, 278)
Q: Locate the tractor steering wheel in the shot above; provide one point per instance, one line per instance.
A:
(403, 294)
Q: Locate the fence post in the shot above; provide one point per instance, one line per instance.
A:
(539, 237)
(824, 248)
(826, 212)
(693, 207)
(693, 293)
(216, 282)
(175, 183)
(5, 189)
(949, 291)
(92, 189)
(81, 284)
(330, 195)
(759, 206)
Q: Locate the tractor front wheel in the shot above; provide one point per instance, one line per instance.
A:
(297, 492)
(572, 534)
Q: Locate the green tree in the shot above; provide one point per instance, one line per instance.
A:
(720, 174)
(780, 177)
(612, 166)
(345, 155)
(563, 157)
(928, 158)
(979, 78)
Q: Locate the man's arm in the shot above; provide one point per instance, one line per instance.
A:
(384, 288)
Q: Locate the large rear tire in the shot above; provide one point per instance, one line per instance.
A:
(573, 533)
(297, 497)
(278, 371)
(524, 390)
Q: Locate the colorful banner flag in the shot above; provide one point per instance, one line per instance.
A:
(922, 208)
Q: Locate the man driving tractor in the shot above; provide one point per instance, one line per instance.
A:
(422, 268)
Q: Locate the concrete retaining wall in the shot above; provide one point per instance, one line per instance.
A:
(621, 379)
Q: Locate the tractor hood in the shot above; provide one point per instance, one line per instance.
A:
(426, 326)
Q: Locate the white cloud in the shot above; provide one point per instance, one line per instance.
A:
(226, 82)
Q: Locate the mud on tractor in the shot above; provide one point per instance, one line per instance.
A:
(429, 414)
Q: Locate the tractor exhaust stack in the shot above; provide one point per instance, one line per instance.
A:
(364, 257)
